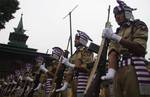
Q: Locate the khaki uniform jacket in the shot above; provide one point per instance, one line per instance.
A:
(125, 81)
(84, 54)
(137, 32)
(87, 58)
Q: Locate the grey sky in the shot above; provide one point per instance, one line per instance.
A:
(43, 20)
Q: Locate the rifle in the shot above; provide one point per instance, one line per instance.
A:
(16, 91)
(4, 89)
(13, 88)
(7, 89)
(59, 73)
(24, 88)
(35, 84)
(29, 89)
(54, 84)
(93, 85)
(21, 84)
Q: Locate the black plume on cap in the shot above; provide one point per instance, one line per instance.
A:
(83, 34)
(124, 6)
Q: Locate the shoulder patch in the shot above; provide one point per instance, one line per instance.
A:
(140, 24)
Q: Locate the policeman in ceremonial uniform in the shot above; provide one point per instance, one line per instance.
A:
(38, 80)
(57, 52)
(127, 50)
(82, 54)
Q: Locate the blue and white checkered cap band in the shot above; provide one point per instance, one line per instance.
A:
(83, 37)
(28, 65)
(57, 52)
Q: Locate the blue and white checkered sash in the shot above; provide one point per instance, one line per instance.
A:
(82, 79)
(143, 75)
(48, 86)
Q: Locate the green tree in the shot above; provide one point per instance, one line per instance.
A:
(7, 9)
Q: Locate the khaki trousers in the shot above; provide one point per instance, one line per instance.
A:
(125, 83)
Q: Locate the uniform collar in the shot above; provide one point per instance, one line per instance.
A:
(126, 24)
(80, 48)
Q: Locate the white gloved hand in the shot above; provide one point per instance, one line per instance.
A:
(64, 60)
(38, 87)
(18, 88)
(109, 75)
(63, 88)
(5, 83)
(20, 78)
(67, 63)
(29, 79)
(14, 82)
(43, 68)
(108, 33)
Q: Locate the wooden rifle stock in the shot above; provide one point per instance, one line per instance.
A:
(94, 81)
(35, 84)
(58, 76)
(14, 88)
(7, 89)
(53, 88)
(24, 89)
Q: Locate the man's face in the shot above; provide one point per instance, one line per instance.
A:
(77, 41)
(120, 18)
(39, 60)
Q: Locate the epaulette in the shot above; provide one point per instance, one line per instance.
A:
(140, 24)
(85, 49)
(81, 48)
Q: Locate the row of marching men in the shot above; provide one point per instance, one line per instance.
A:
(65, 77)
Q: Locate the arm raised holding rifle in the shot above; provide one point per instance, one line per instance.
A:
(77, 67)
(38, 68)
(128, 46)
(98, 70)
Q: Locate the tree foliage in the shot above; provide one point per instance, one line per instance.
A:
(7, 9)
